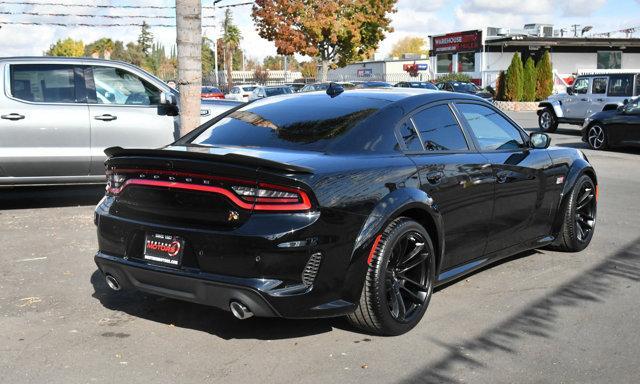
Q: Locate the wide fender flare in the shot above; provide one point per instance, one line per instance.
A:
(555, 105)
(578, 168)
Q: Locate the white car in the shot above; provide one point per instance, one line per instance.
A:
(241, 92)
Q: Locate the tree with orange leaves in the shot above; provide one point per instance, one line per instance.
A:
(337, 32)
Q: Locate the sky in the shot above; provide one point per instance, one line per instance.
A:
(413, 18)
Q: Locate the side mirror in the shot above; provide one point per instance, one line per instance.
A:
(539, 140)
(167, 98)
(570, 90)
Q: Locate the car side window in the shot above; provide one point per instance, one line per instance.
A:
(492, 131)
(409, 136)
(43, 83)
(620, 85)
(581, 85)
(439, 129)
(117, 86)
(599, 86)
(633, 107)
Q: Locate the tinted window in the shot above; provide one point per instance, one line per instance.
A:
(410, 137)
(47, 83)
(581, 85)
(464, 87)
(210, 90)
(599, 85)
(609, 60)
(439, 130)
(492, 130)
(117, 86)
(621, 85)
(277, 91)
(310, 122)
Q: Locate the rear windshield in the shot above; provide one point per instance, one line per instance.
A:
(303, 123)
(277, 91)
(210, 90)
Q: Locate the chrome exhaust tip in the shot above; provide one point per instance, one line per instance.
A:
(240, 310)
(112, 282)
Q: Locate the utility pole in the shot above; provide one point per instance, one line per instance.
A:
(575, 29)
(285, 68)
(189, 44)
(215, 42)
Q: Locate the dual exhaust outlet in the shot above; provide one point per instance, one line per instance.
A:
(239, 310)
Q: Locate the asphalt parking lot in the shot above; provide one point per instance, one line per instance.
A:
(539, 317)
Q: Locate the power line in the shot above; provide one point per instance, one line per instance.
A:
(114, 6)
(93, 24)
(90, 15)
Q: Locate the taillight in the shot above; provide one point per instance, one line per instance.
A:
(269, 197)
(243, 193)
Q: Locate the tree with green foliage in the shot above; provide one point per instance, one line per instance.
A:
(102, 48)
(337, 32)
(208, 61)
(529, 81)
(145, 39)
(500, 84)
(231, 37)
(67, 48)
(544, 77)
(514, 80)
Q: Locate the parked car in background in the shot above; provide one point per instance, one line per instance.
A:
(416, 84)
(295, 87)
(614, 127)
(241, 92)
(374, 84)
(353, 203)
(590, 93)
(462, 87)
(260, 92)
(323, 86)
(57, 115)
(211, 93)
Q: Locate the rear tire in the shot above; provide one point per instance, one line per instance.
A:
(547, 120)
(579, 217)
(399, 280)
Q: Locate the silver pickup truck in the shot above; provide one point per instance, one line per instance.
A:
(590, 93)
(57, 115)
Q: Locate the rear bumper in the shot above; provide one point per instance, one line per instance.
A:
(260, 295)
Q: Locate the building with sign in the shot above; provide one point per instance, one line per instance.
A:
(391, 71)
(482, 54)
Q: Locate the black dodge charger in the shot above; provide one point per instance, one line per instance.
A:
(352, 203)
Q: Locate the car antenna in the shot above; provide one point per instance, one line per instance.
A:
(334, 89)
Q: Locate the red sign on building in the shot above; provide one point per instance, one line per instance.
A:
(457, 42)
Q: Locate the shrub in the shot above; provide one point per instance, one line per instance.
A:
(544, 77)
(529, 81)
(500, 86)
(514, 81)
(461, 77)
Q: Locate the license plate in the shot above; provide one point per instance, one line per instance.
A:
(163, 249)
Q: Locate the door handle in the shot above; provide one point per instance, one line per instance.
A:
(106, 117)
(584, 99)
(13, 116)
(600, 99)
(435, 177)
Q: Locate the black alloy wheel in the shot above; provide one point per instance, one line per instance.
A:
(399, 281)
(407, 282)
(579, 217)
(597, 137)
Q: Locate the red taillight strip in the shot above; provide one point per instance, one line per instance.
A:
(373, 248)
(303, 206)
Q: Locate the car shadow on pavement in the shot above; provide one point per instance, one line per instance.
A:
(50, 196)
(205, 318)
(591, 287)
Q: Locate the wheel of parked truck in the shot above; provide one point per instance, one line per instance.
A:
(597, 137)
(547, 120)
(579, 217)
(399, 280)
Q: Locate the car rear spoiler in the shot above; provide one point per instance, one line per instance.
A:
(231, 158)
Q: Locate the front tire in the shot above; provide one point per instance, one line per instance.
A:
(399, 281)
(579, 217)
(547, 121)
(597, 137)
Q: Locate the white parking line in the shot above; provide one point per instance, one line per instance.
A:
(33, 259)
